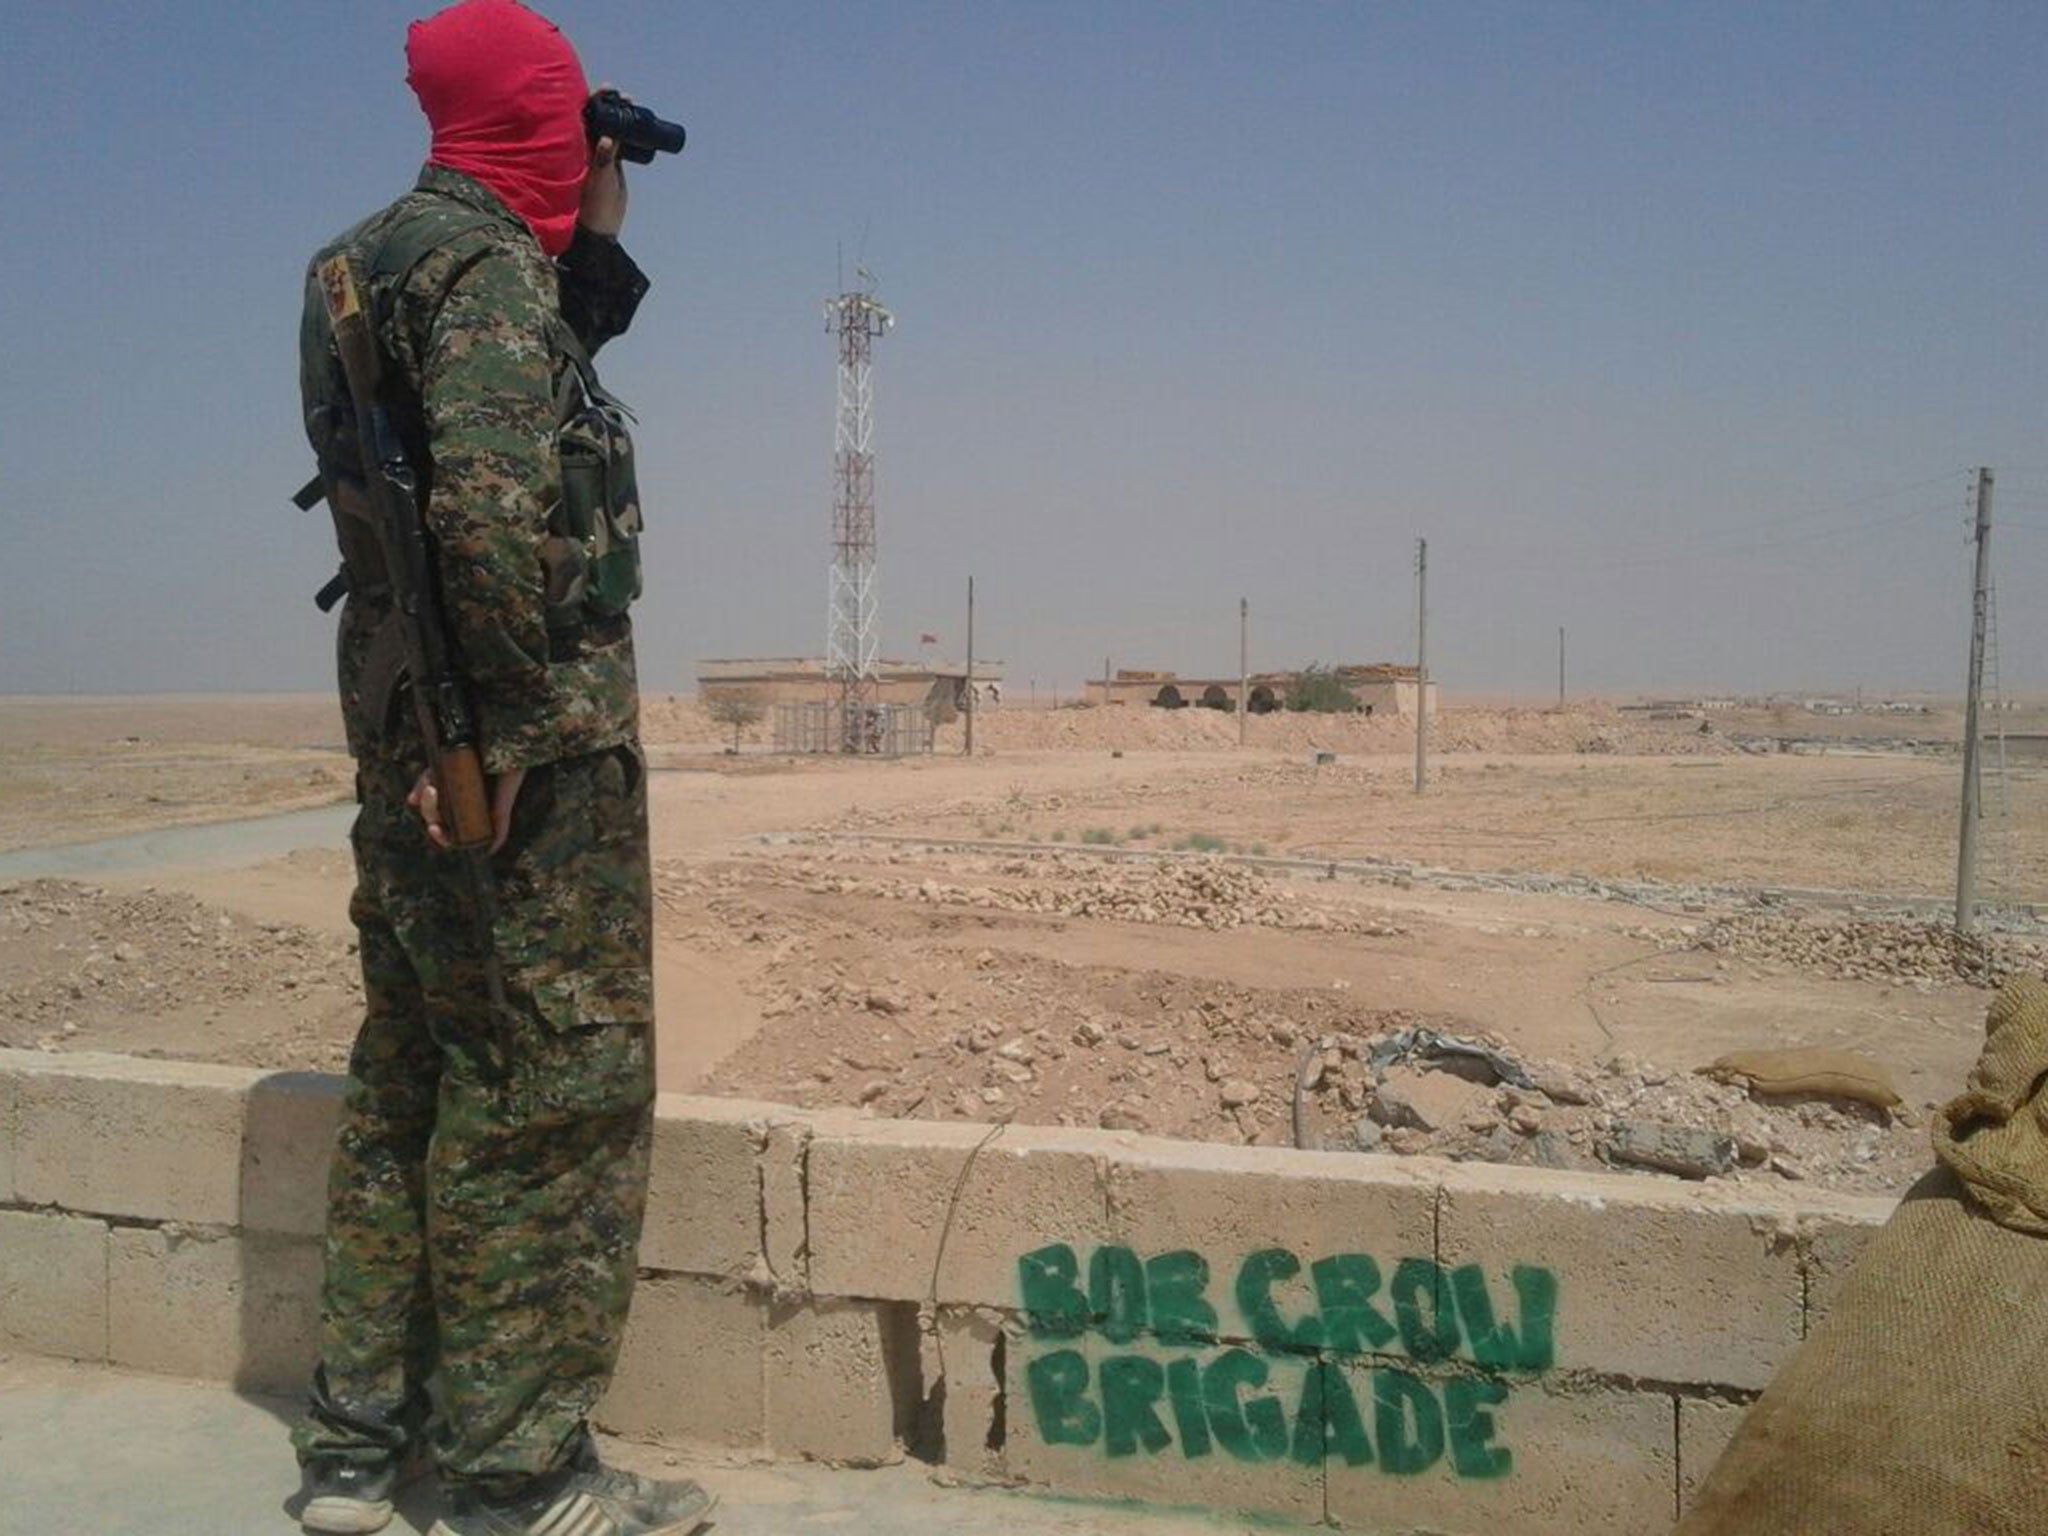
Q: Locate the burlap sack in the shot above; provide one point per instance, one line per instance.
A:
(1807, 1070)
(1995, 1134)
(1919, 1404)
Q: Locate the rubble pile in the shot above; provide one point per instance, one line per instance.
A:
(1191, 893)
(1623, 1115)
(1864, 949)
(83, 968)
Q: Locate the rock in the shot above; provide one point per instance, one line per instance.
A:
(1525, 1120)
(1368, 1134)
(1685, 1150)
(1236, 1092)
(1551, 1150)
(1017, 1050)
(873, 1091)
(1407, 1140)
(1121, 1117)
(885, 1003)
(1088, 1032)
(1560, 1087)
(127, 954)
(1428, 1101)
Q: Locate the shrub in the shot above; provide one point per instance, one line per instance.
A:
(736, 707)
(1317, 689)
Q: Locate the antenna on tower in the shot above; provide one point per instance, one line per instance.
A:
(852, 621)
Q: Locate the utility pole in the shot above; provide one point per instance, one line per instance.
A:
(1244, 675)
(1421, 663)
(1560, 666)
(1105, 682)
(1966, 842)
(970, 667)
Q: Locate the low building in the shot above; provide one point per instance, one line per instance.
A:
(1383, 688)
(937, 685)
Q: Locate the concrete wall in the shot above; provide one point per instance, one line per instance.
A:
(1376, 1343)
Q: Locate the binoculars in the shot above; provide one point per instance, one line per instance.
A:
(637, 131)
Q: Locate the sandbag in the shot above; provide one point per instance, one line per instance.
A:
(1918, 1406)
(1807, 1071)
(1995, 1133)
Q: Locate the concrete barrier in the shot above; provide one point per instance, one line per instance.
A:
(1372, 1343)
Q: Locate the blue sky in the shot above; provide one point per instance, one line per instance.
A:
(1680, 326)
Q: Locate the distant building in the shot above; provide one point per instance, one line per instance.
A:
(802, 680)
(1382, 689)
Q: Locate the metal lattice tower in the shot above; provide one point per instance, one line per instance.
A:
(853, 632)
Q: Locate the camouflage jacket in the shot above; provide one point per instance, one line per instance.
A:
(469, 326)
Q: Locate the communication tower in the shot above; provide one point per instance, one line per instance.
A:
(853, 630)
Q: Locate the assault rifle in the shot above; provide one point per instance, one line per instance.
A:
(447, 724)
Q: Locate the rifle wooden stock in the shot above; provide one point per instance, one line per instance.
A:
(465, 799)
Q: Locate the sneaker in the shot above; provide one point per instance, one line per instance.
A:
(589, 1501)
(346, 1497)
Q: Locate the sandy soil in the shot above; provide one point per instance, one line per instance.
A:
(73, 769)
(800, 957)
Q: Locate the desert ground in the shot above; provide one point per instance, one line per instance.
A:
(1122, 918)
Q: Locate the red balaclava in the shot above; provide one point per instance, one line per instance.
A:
(504, 93)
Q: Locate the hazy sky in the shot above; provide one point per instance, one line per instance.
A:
(1677, 325)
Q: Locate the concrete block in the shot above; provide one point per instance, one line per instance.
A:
(830, 1371)
(184, 1302)
(1705, 1426)
(1227, 1204)
(690, 1368)
(287, 1142)
(1831, 1239)
(1089, 1418)
(886, 1195)
(53, 1285)
(1537, 1462)
(704, 1199)
(968, 1362)
(1652, 1278)
(121, 1136)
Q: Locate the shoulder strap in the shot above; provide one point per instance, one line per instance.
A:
(410, 240)
(580, 374)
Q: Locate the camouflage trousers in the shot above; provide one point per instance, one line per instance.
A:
(490, 1175)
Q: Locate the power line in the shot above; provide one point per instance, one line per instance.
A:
(1680, 556)
(1781, 520)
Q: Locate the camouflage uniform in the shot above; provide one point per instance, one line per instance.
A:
(489, 1175)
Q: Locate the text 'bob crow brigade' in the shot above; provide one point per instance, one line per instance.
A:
(1400, 1369)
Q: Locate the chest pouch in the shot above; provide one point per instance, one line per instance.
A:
(593, 545)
